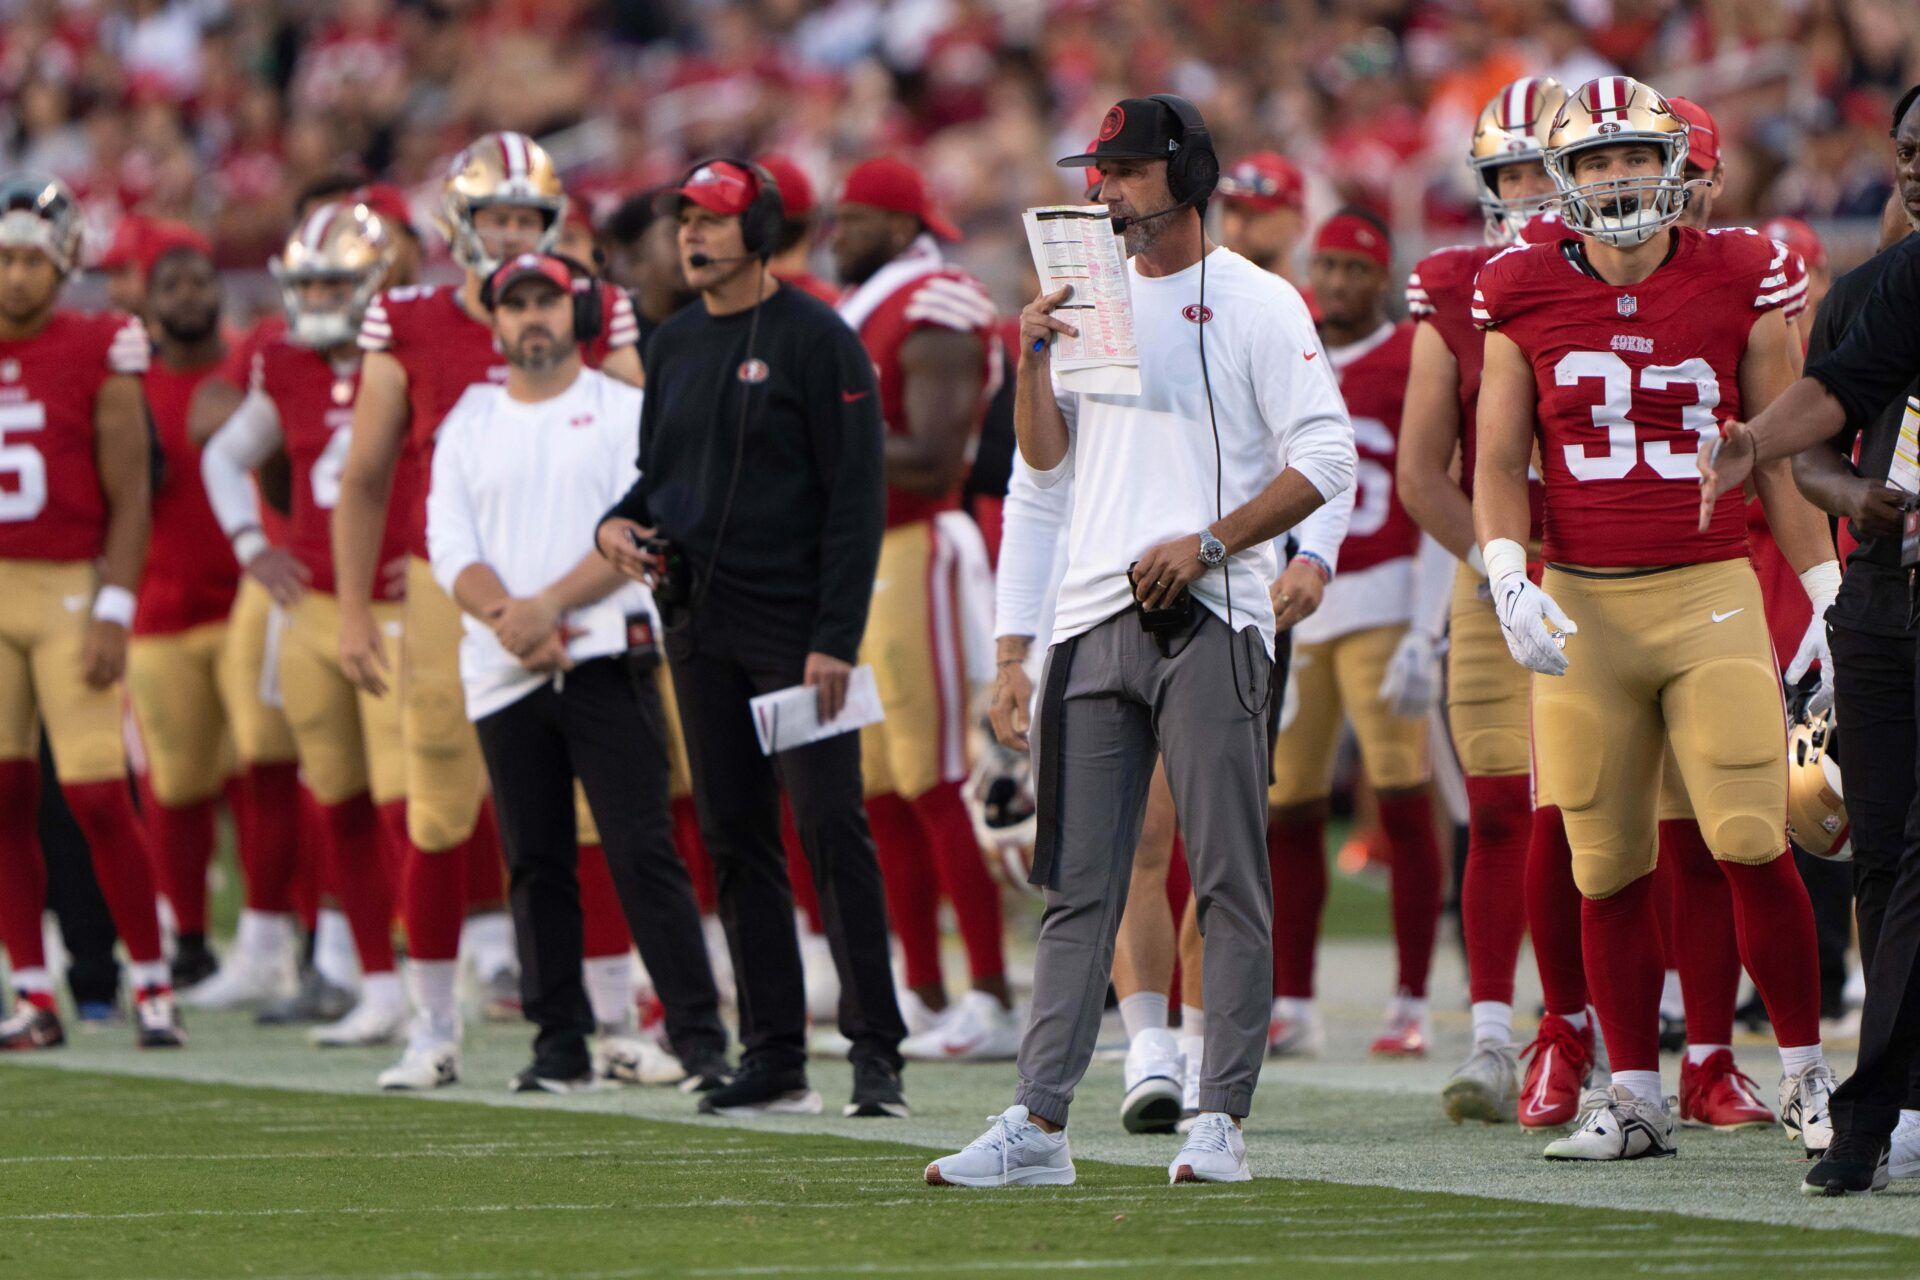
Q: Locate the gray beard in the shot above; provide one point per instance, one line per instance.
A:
(1142, 236)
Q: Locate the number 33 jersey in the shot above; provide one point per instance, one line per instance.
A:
(51, 503)
(1632, 382)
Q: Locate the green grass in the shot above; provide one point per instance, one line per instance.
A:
(109, 1176)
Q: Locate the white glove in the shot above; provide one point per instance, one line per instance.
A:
(1822, 583)
(1411, 686)
(1536, 628)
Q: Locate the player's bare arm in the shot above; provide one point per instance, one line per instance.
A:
(1429, 439)
(942, 388)
(359, 519)
(214, 401)
(121, 444)
(623, 365)
(1011, 707)
(1766, 371)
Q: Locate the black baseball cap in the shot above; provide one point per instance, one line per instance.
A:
(1134, 129)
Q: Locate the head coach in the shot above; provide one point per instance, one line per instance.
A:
(758, 514)
(1163, 630)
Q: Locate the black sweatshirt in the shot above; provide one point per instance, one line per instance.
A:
(1873, 595)
(802, 541)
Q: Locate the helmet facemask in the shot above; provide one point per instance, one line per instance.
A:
(337, 243)
(1622, 212)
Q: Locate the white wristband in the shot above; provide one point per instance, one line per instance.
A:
(1504, 558)
(1476, 561)
(114, 604)
(1822, 583)
(247, 544)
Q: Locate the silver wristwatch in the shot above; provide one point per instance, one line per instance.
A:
(1213, 552)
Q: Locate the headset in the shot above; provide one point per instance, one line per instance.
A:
(1193, 171)
(761, 222)
(589, 315)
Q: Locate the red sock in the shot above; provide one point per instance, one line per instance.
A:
(1701, 937)
(310, 863)
(357, 872)
(1623, 971)
(1408, 821)
(693, 852)
(1554, 914)
(604, 928)
(964, 878)
(913, 897)
(104, 812)
(485, 864)
(1492, 895)
(1773, 920)
(181, 840)
(1297, 858)
(1666, 892)
(23, 871)
(434, 902)
(268, 822)
(806, 894)
(393, 840)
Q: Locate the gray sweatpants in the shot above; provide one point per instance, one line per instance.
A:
(1122, 706)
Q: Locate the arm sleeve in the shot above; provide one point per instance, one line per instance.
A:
(1433, 570)
(247, 439)
(453, 540)
(848, 451)
(1879, 357)
(1032, 522)
(1301, 402)
(1323, 531)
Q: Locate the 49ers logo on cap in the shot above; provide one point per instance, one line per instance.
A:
(752, 371)
(1197, 313)
(1116, 120)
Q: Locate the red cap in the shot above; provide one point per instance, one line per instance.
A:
(719, 186)
(888, 183)
(124, 249)
(388, 203)
(527, 266)
(1265, 180)
(1800, 238)
(1351, 233)
(1703, 135)
(796, 192)
(163, 238)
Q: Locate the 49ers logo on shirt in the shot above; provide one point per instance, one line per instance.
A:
(1197, 313)
(752, 371)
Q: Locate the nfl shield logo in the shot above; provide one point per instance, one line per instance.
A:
(1628, 304)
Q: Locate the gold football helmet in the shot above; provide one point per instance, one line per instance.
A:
(1619, 211)
(341, 241)
(1816, 811)
(38, 212)
(1512, 129)
(499, 168)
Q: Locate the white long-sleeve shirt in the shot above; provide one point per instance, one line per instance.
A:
(1144, 466)
(519, 487)
(247, 438)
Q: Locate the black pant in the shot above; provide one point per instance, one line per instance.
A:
(719, 661)
(605, 726)
(1875, 692)
(73, 895)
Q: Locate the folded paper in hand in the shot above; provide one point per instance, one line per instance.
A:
(1074, 246)
(789, 718)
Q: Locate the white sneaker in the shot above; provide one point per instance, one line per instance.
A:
(1295, 1032)
(1486, 1086)
(242, 982)
(635, 1060)
(1806, 1107)
(920, 1017)
(1014, 1151)
(1903, 1160)
(821, 977)
(1216, 1151)
(374, 1021)
(1193, 1051)
(427, 1066)
(1591, 1100)
(978, 1029)
(1625, 1127)
(1155, 1077)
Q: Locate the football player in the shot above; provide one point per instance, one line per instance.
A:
(75, 509)
(349, 741)
(1362, 657)
(1263, 202)
(928, 328)
(1647, 636)
(424, 346)
(799, 215)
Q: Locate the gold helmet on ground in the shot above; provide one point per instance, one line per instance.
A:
(499, 169)
(1816, 811)
(1512, 129)
(340, 241)
(1606, 112)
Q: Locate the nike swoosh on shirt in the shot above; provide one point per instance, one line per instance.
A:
(1310, 354)
(1722, 617)
(853, 397)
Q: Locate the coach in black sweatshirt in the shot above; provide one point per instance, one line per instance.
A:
(761, 466)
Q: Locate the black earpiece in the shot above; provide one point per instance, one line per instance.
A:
(1193, 171)
(589, 316)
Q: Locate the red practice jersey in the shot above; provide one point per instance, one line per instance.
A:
(445, 351)
(190, 576)
(315, 402)
(1373, 381)
(51, 503)
(912, 293)
(1633, 380)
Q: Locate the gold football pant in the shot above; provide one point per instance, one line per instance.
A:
(45, 607)
(349, 741)
(179, 703)
(445, 777)
(1487, 698)
(914, 644)
(1338, 680)
(260, 732)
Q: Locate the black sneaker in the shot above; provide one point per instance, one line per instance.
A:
(706, 1075)
(537, 1078)
(760, 1090)
(876, 1092)
(317, 1000)
(157, 1019)
(1854, 1165)
(193, 961)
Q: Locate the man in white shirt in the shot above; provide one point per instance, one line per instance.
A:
(557, 663)
(1178, 492)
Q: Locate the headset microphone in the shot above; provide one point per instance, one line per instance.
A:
(1120, 225)
(697, 260)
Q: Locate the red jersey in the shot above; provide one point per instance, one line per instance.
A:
(237, 370)
(913, 292)
(444, 351)
(1373, 381)
(807, 282)
(314, 399)
(190, 575)
(51, 503)
(1633, 380)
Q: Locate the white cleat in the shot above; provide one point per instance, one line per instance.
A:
(1903, 1157)
(1193, 1049)
(635, 1060)
(1486, 1086)
(978, 1029)
(1013, 1152)
(422, 1067)
(1625, 1127)
(1295, 1032)
(374, 1021)
(1216, 1151)
(242, 982)
(1806, 1107)
(1155, 1078)
(917, 1015)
